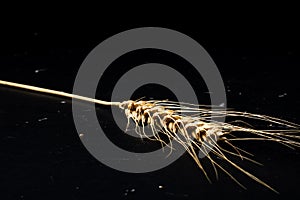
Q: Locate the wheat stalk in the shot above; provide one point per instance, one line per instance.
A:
(194, 127)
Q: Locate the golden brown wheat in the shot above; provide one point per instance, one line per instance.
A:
(195, 127)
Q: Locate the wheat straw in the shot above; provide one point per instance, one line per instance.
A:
(194, 127)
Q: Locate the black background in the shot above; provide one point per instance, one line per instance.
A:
(258, 60)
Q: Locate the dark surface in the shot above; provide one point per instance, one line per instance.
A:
(42, 156)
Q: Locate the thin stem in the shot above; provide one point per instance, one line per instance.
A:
(59, 93)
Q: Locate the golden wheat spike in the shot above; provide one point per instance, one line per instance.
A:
(194, 132)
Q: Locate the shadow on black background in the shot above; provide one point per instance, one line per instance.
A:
(42, 156)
